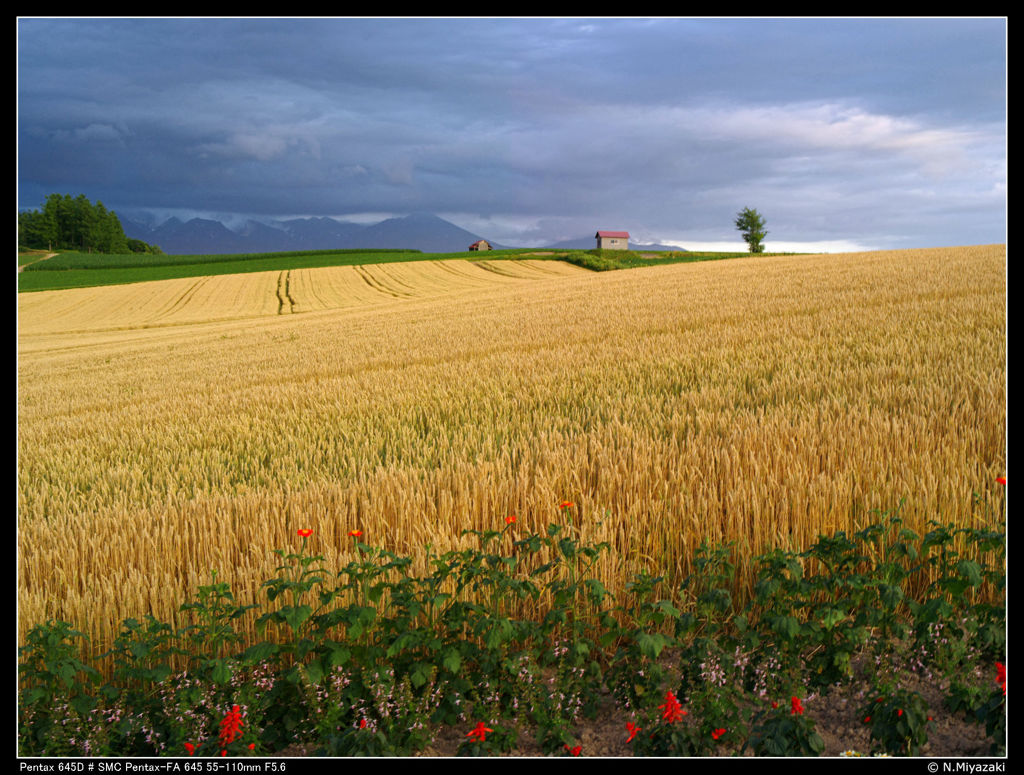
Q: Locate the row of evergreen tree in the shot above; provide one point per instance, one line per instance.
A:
(75, 223)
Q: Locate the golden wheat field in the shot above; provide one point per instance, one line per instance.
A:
(166, 429)
(259, 294)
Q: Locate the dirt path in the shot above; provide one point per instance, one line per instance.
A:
(41, 258)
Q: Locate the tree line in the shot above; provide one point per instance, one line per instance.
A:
(75, 223)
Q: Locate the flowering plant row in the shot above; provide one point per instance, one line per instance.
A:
(371, 659)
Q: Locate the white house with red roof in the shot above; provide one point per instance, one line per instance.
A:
(612, 240)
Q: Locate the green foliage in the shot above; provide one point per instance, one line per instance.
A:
(751, 224)
(992, 713)
(842, 594)
(636, 672)
(607, 260)
(785, 731)
(898, 720)
(67, 223)
(138, 246)
(141, 658)
(984, 705)
(370, 712)
(368, 660)
(662, 731)
(54, 689)
(964, 611)
(213, 612)
(486, 740)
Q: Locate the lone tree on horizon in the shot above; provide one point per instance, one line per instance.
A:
(751, 224)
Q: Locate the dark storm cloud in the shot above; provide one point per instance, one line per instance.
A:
(856, 131)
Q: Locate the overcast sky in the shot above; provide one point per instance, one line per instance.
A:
(844, 134)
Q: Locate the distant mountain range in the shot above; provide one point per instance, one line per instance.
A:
(202, 236)
(424, 232)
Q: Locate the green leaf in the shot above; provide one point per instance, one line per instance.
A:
(542, 568)
(970, 571)
(891, 595)
(651, 644)
(296, 616)
(419, 674)
(832, 617)
(402, 642)
(260, 652)
(451, 661)
(786, 627)
(367, 615)
(667, 608)
(66, 673)
(337, 656)
(220, 673)
(597, 590)
(500, 631)
(315, 671)
(83, 704)
(31, 696)
(956, 587)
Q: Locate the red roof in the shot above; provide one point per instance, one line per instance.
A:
(622, 234)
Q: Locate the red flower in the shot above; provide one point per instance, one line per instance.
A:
(632, 729)
(1001, 480)
(362, 723)
(231, 726)
(899, 712)
(305, 533)
(190, 748)
(252, 746)
(867, 719)
(1001, 676)
(566, 505)
(671, 709)
(480, 732)
(574, 751)
(798, 709)
(717, 733)
(224, 752)
(355, 533)
(510, 519)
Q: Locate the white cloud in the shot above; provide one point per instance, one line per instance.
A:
(92, 133)
(823, 246)
(936, 150)
(242, 145)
